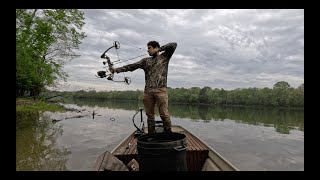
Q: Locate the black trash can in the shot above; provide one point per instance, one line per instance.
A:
(162, 152)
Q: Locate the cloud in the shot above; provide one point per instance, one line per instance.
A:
(233, 48)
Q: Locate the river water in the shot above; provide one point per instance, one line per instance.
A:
(258, 139)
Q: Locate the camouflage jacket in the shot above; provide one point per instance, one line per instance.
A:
(155, 68)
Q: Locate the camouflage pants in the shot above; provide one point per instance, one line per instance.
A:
(161, 99)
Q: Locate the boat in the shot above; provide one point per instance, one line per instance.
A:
(199, 155)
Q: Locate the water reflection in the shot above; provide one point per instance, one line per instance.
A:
(36, 143)
(283, 120)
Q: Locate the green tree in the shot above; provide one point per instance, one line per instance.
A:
(45, 41)
(281, 85)
(204, 94)
(281, 92)
(301, 88)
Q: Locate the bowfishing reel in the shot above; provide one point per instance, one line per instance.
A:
(102, 74)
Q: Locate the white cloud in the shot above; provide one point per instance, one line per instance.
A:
(228, 48)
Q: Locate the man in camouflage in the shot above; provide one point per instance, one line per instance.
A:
(155, 91)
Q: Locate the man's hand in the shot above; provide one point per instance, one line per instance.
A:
(113, 70)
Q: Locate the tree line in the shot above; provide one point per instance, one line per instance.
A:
(281, 95)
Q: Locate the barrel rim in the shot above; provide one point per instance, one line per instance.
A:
(173, 143)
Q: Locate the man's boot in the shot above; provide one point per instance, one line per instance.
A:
(151, 125)
(167, 126)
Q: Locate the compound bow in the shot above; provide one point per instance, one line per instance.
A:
(102, 74)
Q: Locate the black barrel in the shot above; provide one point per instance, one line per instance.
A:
(162, 152)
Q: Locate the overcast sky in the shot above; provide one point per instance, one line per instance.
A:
(217, 48)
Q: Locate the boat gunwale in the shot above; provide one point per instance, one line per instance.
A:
(119, 145)
(214, 151)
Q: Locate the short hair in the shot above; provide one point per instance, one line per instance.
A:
(154, 44)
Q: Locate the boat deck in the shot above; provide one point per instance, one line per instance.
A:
(197, 152)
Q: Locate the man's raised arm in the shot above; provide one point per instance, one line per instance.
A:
(168, 49)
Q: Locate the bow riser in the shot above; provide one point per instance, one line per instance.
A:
(110, 76)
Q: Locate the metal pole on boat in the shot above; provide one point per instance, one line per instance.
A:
(140, 109)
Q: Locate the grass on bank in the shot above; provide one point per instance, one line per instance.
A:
(28, 104)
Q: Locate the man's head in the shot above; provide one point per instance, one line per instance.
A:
(152, 47)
